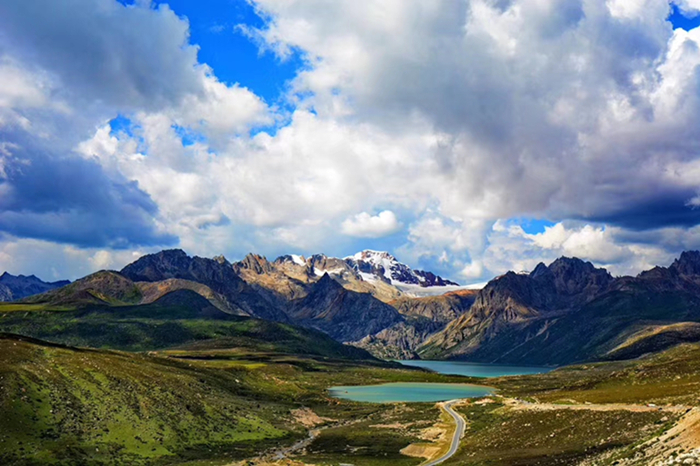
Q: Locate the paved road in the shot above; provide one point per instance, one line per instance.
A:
(459, 431)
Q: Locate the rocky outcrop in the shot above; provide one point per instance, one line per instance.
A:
(279, 281)
(423, 317)
(441, 309)
(400, 340)
(343, 314)
(218, 275)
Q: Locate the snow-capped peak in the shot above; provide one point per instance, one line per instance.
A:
(380, 265)
(371, 256)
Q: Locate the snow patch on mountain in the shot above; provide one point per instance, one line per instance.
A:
(299, 260)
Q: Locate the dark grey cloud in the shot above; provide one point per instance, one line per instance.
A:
(670, 209)
(68, 199)
(93, 59)
(104, 52)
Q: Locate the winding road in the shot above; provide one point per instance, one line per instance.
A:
(459, 431)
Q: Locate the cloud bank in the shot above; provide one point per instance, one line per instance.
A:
(459, 117)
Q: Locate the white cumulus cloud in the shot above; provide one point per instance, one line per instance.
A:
(364, 225)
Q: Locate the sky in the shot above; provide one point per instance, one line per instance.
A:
(466, 137)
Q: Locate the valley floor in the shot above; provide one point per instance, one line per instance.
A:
(66, 406)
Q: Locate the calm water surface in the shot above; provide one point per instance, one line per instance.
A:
(474, 369)
(401, 391)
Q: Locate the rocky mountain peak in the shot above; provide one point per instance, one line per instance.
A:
(369, 255)
(687, 264)
(291, 259)
(326, 282)
(168, 263)
(256, 263)
(430, 279)
(572, 276)
(221, 259)
(171, 254)
(539, 271)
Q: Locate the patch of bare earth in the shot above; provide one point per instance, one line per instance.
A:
(524, 405)
(270, 463)
(308, 418)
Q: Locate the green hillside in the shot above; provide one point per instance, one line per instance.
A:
(68, 406)
(179, 318)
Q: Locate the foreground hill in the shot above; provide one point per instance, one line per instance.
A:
(67, 406)
(179, 318)
(570, 311)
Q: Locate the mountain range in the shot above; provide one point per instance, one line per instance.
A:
(564, 312)
(14, 287)
(571, 311)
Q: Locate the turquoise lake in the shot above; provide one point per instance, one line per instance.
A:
(430, 392)
(474, 369)
(410, 392)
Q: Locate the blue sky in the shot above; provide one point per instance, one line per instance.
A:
(683, 21)
(433, 131)
(232, 55)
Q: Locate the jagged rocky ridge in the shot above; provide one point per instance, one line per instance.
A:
(344, 297)
(320, 292)
(571, 311)
(565, 312)
(217, 274)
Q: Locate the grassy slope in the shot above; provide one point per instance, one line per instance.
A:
(179, 318)
(62, 405)
(70, 406)
(669, 377)
(104, 287)
(370, 442)
(498, 436)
